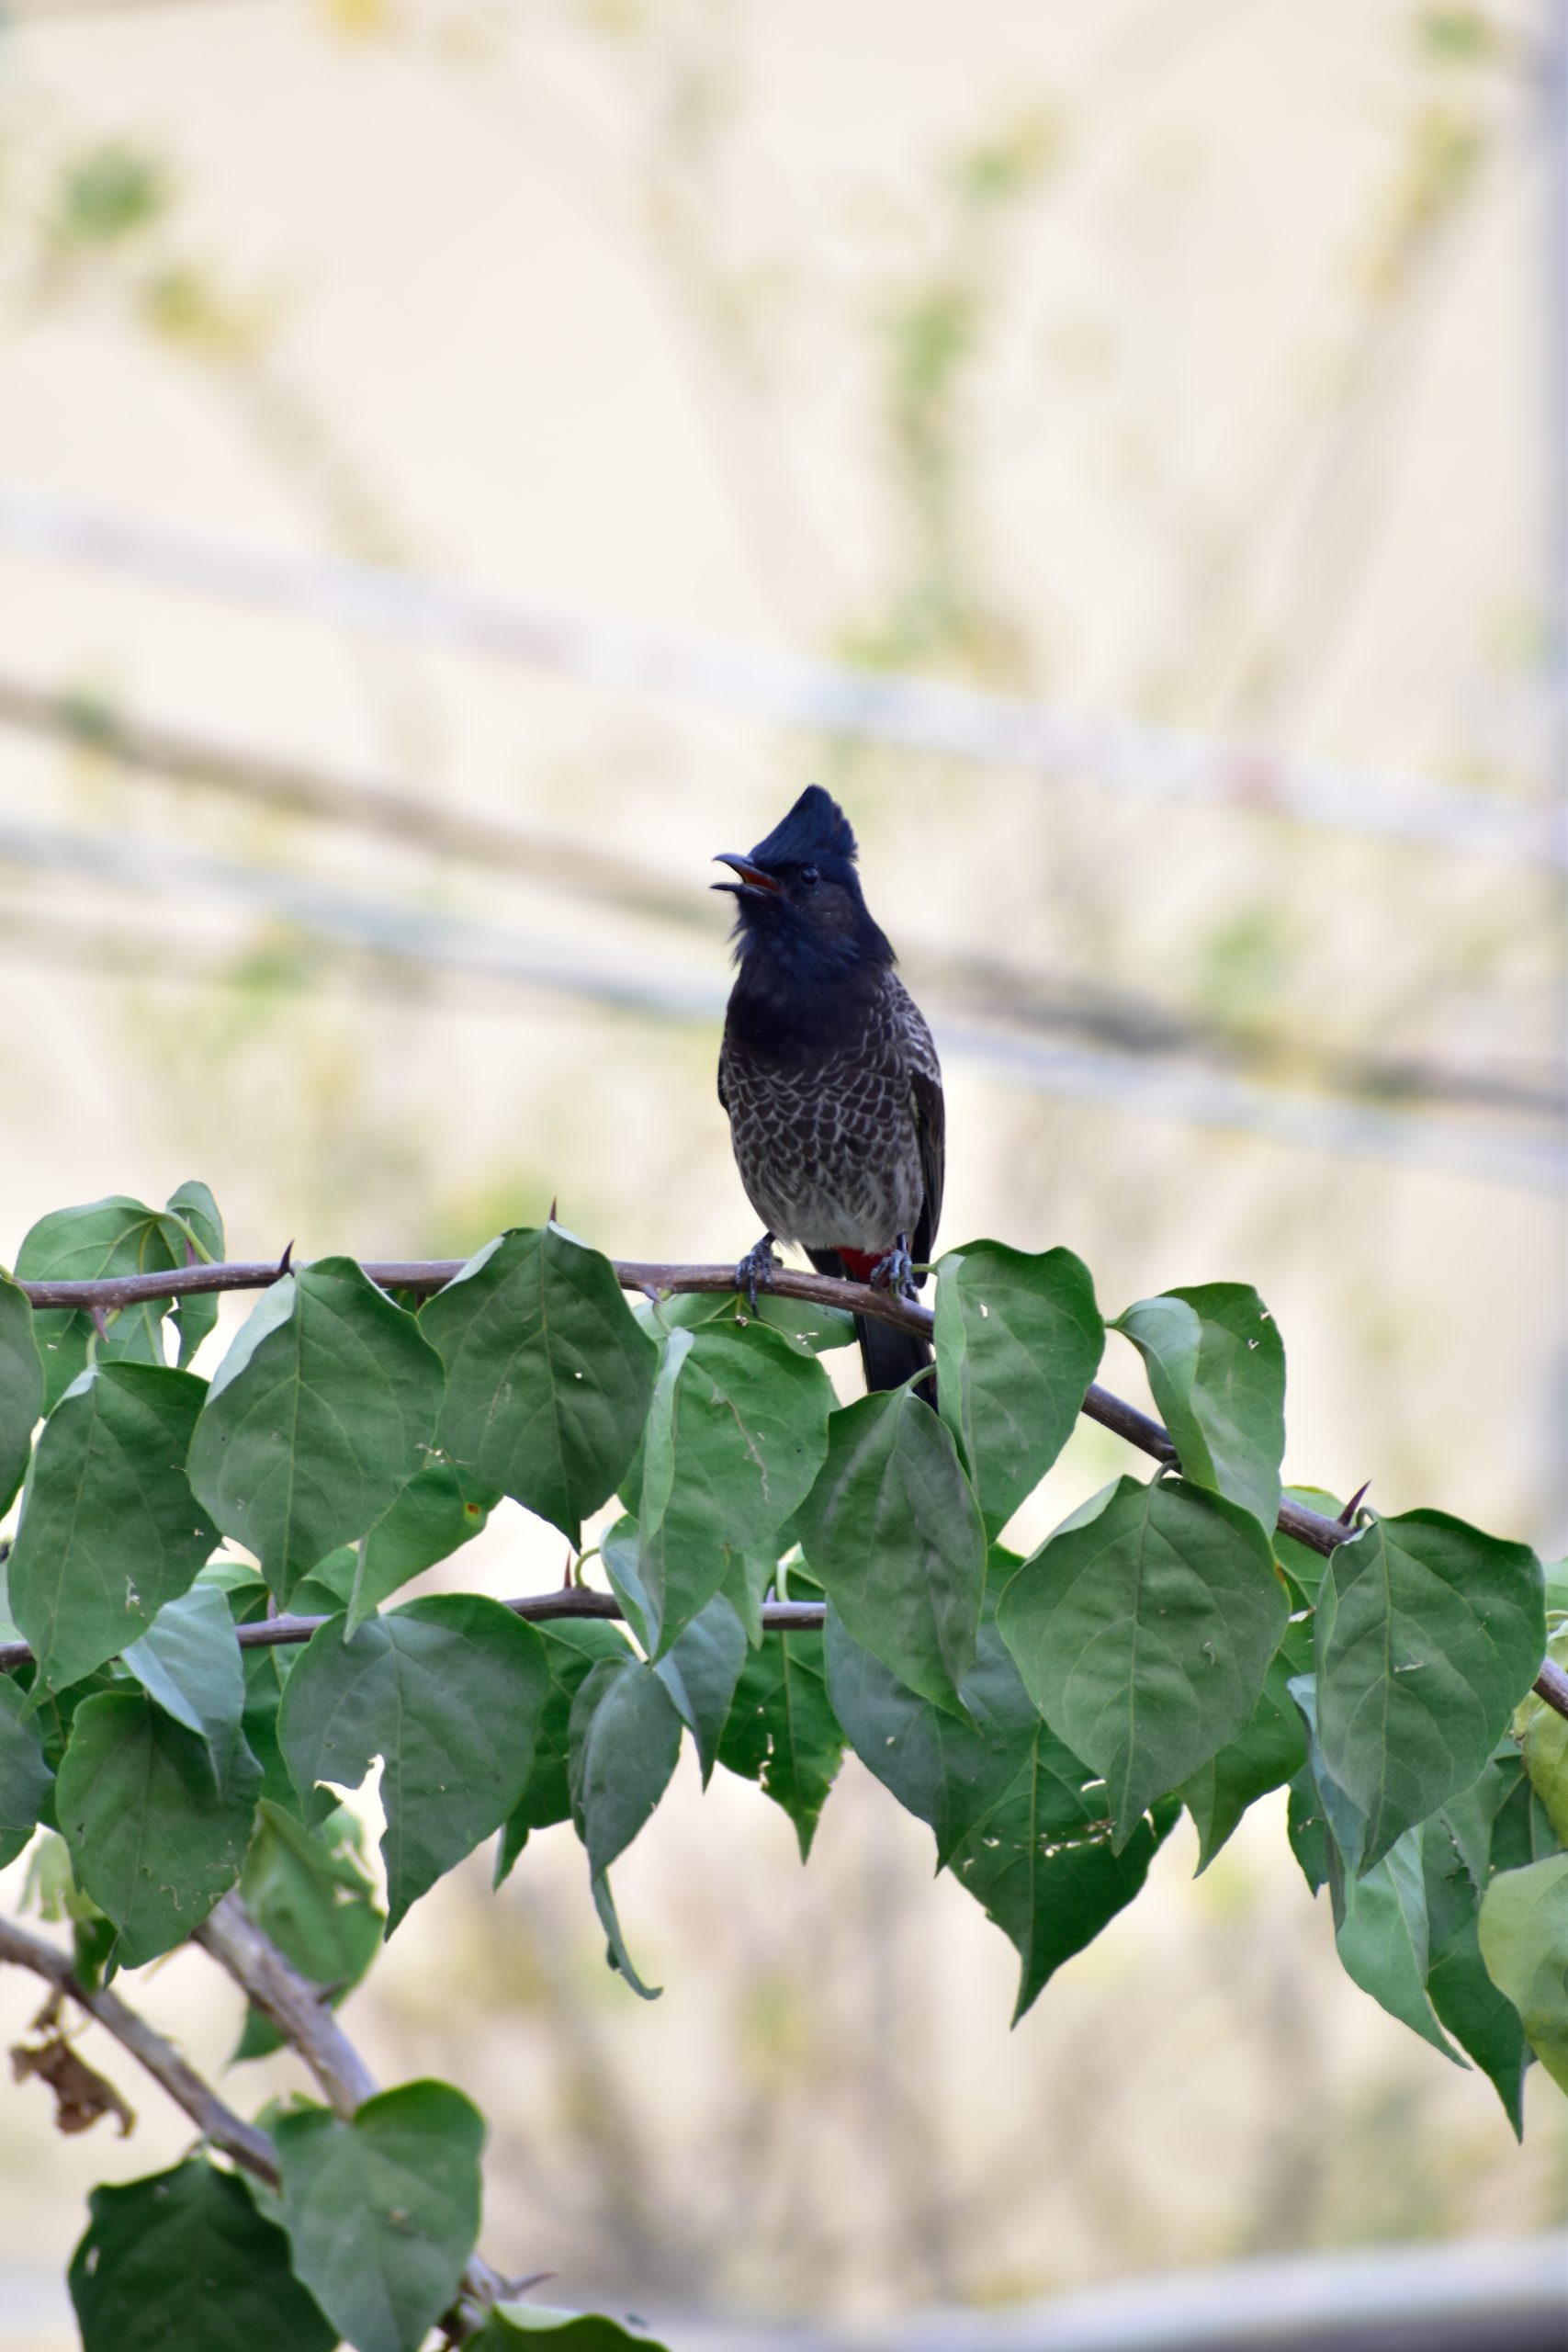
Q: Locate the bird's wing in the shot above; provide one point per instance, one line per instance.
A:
(723, 1097)
(931, 1124)
(931, 1118)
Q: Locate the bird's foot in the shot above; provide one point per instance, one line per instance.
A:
(757, 1269)
(897, 1271)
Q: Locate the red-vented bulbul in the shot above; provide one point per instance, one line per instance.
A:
(829, 1077)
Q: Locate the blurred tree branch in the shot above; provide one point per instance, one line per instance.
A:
(983, 985)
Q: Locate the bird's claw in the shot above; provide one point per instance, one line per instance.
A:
(756, 1270)
(897, 1271)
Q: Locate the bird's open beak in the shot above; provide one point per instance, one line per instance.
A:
(752, 877)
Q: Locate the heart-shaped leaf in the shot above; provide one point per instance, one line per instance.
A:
(737, 1430)
(183, 2258)
(1216, 1365)
(155, 1836)
(893, 1533)
(548, 1375)
(448, 1692)
(1429, 1634)
(1384, 1939)
(318, 1415)
(1019, 1339)
(1019, 1820)
(382, 2212)
(110, 1530)
(782, 1731)
(21, 1388)
(121, 1236)
(572, 1647)
(1143, 1630)
(25, 1776)
(1524, 1942)
(189, 1662)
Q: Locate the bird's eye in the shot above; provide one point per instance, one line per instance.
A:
(809, 878)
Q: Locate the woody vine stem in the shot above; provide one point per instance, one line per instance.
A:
(424, 1277)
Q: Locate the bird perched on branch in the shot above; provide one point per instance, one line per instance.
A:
(830, 1079)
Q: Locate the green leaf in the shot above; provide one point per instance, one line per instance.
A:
(1480, 2019)
(1144, 1629)
(513, 2323)
(737, 1431)
(1018, 1340)
(548, 1375)
(1216, 1365)
(810, 1331)
(266, 1672)
(893, 1533)
(1472, 1818)
(183, 2262)
(571, 1646)
(318, 1415)
(190, 1663)
(1524, 1942)
(438, 1512)
(118, 1235)
(1307, 1829)
(1429, 1634)
(154, 1839)
(196, 1313)
(1544, 1733)
(25, 1776)
(1270, 1750)
(700, 1671)
(110, 1530)
(1384, 1941)
(382, 2212)
(625, 1736)
(21, 1388)
(1325, 1824)
(1522, 1831)
(1304, 1566)
(308, 1890)
(815, 1330)
(329, 1588)
(1019, 1820)
(782, 1731)
(448, 1692)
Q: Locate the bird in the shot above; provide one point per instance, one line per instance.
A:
(830, 1080)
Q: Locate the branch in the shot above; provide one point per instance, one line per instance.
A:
(424, 1277)
(216, 2122)
(297, 2008)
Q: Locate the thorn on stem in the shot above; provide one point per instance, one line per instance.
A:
(100, 1322)
(286, 1263)
(1347, 1516)
(555, 1204)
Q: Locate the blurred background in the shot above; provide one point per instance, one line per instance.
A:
(464, 463)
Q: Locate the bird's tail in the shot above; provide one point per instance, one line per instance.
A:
(890, 1357)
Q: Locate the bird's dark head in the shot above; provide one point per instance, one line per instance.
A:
(798, 900)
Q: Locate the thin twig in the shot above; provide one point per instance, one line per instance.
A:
(217, 2123)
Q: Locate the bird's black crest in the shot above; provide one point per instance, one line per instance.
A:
(815, 828)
